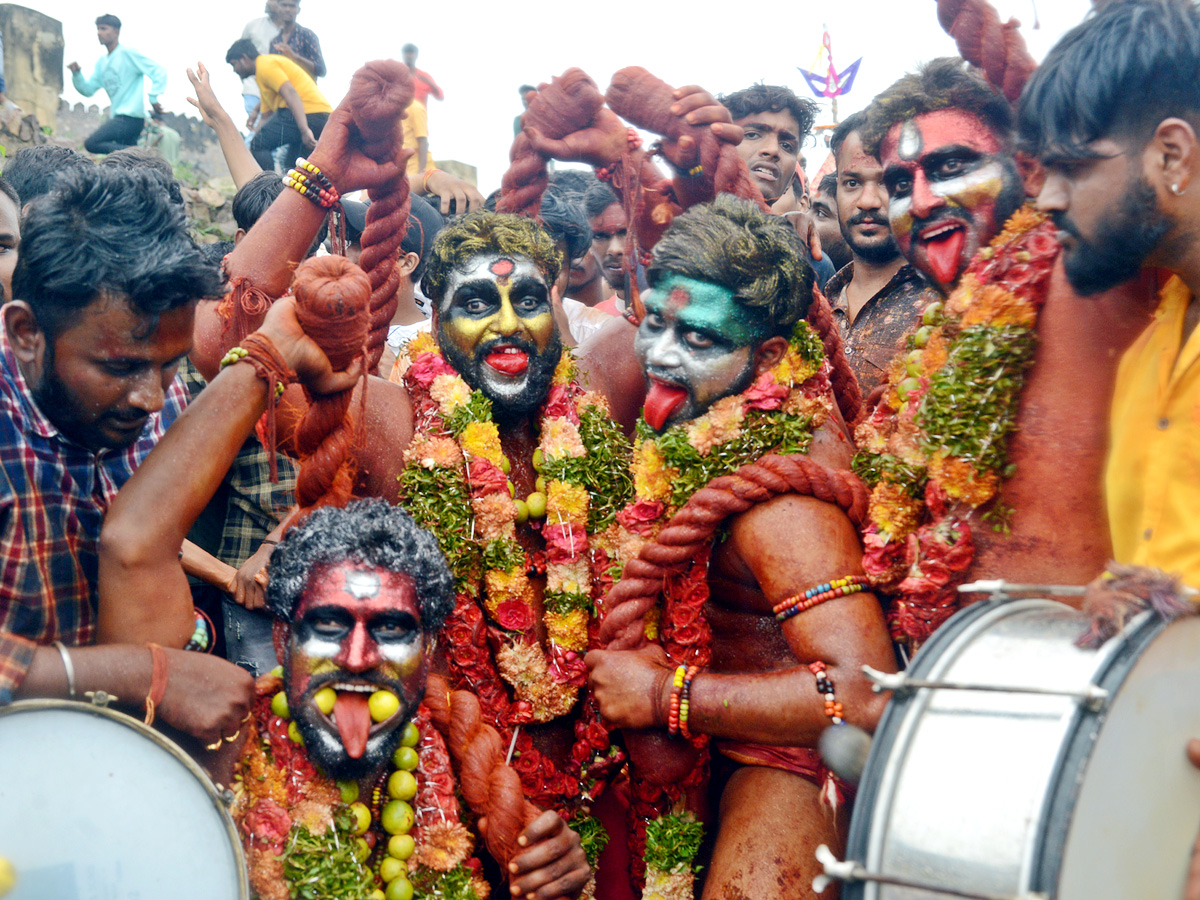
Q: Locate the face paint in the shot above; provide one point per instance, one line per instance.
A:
(952, 186)
(357, 630)
(696, 345)
(496, 328)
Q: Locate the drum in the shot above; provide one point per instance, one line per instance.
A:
(93, 804)
(1035, 769)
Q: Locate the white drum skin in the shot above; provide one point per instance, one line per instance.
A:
(1019, 795)
(93, 804)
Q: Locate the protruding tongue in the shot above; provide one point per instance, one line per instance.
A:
(944, 254)
(353, 718)
(508, 363)
(661, 401)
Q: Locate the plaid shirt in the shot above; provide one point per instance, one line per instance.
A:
(304, 42)
(256, 505)
(53, 496)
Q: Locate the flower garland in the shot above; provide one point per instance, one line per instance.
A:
(307, 836)
(936, 446)
(455, 485)
(778, 413)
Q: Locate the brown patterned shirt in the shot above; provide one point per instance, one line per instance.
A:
(877, 335)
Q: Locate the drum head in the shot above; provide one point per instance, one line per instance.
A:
(95, 805)
(1137, 801)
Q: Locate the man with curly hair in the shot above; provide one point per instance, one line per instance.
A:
(729, 290)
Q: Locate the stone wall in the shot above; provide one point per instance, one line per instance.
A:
(33, 61)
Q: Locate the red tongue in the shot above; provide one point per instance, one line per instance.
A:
(661, 401)
(508, 363)
(353, 721)
(944, 253)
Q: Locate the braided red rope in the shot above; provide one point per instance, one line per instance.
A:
(490, 786)
(845, 385)
(692, 528)
(379, 93)
(332, 297)
(998, 49)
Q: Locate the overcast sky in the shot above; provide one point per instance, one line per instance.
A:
(480, 51)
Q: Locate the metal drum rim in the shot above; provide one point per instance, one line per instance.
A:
(165, 743)
(1076, 750)
(885, 738)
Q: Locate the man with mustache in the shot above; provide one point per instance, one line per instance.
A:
(720, 349)
(878, 296)
(1117, 132)
(945, 140)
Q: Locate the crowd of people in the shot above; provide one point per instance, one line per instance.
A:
(532, 542)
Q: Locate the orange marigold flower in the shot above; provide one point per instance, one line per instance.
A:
(495, 516)
(962, 481)
(894, 510)
(434, 452)
(561, 438)
(593, 398)
(444, 845)
(449, 392)
(422, 343)
(993, 305)
(722, 422)
(935, 354)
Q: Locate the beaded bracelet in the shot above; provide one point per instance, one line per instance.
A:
(833, 709)
(676, 691)
(815, 596)
(321, 196)
(685, 700)
(311, 169)
(237, 354)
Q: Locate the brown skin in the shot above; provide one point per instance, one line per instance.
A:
(758, 688)
(1192, 888)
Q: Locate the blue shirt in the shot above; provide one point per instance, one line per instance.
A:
(121, 74)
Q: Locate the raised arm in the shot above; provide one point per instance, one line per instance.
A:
(241, 162)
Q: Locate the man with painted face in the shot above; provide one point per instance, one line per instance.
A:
(878, 296)
(1116, 127)
(722, 333)
(945, 139)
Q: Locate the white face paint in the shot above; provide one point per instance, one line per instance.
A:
(496, 328)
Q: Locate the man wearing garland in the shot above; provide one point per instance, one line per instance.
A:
(985, 439)
(733, 374)
(519, 474)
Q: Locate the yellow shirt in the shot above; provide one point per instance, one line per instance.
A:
(416, 125)
(1152, 477)
(271, 71)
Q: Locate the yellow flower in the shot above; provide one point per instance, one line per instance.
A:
(792, 369)
(653, 618)
(450, 392)
(895, 512)
(561, 438)
(483, 439)
(434, 452)
(564, 372)
(1019, 223)
(422, 343)
(502, 586)
(566, 502)
(568, 630)
(651, 476)
(962, 481)
(935, 354)
(960, 298)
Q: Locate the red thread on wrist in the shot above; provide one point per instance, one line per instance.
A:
(158, 680)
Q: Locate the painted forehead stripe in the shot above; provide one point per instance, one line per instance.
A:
(911, 142)
(361, 585)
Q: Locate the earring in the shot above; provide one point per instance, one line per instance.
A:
(1175, 190)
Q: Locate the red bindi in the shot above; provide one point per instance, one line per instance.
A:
(502, 268)
(678, 298)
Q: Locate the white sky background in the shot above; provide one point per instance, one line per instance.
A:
(480, 51)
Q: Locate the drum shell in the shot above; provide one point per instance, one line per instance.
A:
(95, 804)
(1014, 794)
